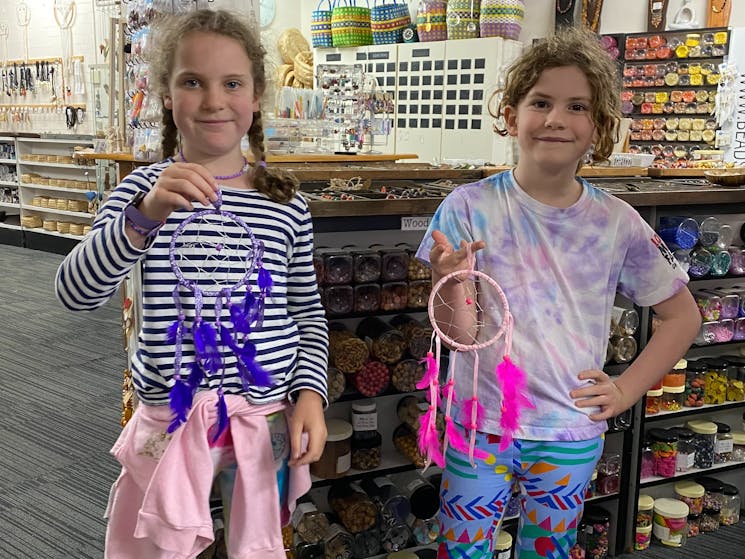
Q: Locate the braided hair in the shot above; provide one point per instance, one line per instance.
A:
(278, 185)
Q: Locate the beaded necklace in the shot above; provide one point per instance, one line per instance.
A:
(569, 7)
(591, 13)
(244, 169)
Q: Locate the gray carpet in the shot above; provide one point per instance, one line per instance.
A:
(60, 387)
(727, 542)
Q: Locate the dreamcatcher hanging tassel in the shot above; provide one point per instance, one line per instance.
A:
(472, 415)
(428, 437)
(206, 351)
(222, 417)
(251, 373)
(512, 381)
(265, 288)
(181, 395)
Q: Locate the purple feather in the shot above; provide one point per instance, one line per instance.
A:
(205, 347)
(180, 400)
(240, 319)
(195, 376)
(250, 371)
(244, 374)
(265, 280)
(249, 306)
(222, 417)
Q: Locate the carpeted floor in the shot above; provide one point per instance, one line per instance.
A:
(60, 379)
(60, 387)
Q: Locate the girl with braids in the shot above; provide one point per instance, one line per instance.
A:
(208, 69)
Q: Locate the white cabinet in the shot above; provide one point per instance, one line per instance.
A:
(57, 195)
(10, 207)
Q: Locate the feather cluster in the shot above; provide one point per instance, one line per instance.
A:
(512, 381)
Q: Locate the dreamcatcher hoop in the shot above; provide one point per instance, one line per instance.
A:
(509, 377)
(208, 339)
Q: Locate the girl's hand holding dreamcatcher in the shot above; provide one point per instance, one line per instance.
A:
(480, 306)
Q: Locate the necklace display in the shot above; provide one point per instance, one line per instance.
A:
(657, 10)
(243, 171)
(591, 10)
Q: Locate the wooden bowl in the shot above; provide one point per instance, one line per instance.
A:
(726, 177)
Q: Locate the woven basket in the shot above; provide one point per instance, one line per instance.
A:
(431, 17)
(463, 19)
(501, 18)
(350, 24)
(320, 26)
(290, 43)
(388, 21)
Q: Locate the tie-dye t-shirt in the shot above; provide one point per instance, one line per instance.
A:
(560, 269)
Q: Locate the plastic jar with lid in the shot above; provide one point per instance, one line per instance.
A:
(423, 496)
(338, 543)
(353, 506)
(305, 550)
(709, 520)
(664, 450)
(502, 545)
(394, 536)
(309, 523)
(694, 525)
(738, 446)
(394, 506)
(716, 381)
(425, 531)
(729, 514)
(405, 441)
(366, 440)
(366, 266)
(388, 344)
(713, 491)
(695, 385)
(653, 401)
(624, 348)
(647, 465)
(609, 474)
(645, 509)
(596, 533)
(704, 437)
(372, 379)
(402, 555)
(677, 376)
(406, 374)
(418, 334)
(670, 522)
(686, 449)
(336, 459)
(672, 398)
(367, 543)
(367, 297)
(337, 267)
(736, 381)
(623, 322)
(692, 494)
(394, 263)
(724, 443)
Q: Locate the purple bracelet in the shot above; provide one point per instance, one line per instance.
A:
(142, 230)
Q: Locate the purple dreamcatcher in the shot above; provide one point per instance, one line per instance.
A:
(213, 254)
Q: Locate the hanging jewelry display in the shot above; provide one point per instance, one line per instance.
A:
(565, 12)
(685, 17)
(214, 254)
(656, 15)
(718, 13)
(64, 15)
(591, 10)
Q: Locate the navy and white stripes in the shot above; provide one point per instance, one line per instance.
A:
(292, 343)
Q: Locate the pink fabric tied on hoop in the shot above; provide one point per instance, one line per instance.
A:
(510, 378)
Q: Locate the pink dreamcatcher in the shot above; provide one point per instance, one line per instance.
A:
(487, 310)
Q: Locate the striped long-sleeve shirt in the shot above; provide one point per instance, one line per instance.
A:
(292, 342)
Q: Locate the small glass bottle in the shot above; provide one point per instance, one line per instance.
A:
(609, 474)
(366, 440)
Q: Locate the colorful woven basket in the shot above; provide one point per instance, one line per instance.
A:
(501, 18)
(388, 21)
(320, 26)
(431, 18)
(350, 24)
(463, 19)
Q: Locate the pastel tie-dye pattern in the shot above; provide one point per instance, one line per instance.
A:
(560, 269)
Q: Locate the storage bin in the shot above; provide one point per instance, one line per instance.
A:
(670, 522)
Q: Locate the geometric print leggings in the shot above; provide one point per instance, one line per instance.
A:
(552, 476)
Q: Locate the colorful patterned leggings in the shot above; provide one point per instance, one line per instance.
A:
(552, 476)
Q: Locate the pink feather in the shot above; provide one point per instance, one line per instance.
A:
(458, 442)
(431, 372)
(466, 413)
(429, 440)
(447, 389)
(512, 381)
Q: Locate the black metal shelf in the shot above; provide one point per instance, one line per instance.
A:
(687, 412)
(696, 472)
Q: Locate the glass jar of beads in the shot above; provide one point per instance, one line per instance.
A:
(694, 525)
(353, 506)
(709, 520)
(338, 267)
(644, 514)
(665, 450)
(609, 474)
(738, 446)
(716, 381)
(713, 492)
(394, 263)
(695, 385)
(338, 542)
(653, 401)
(692, 494)
(704, 438)
(729, 514)
(597, 520)
(670, 522)
(724, 443)
(366, 265)
(672, 398)
(366, 440)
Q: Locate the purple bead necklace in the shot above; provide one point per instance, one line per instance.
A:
(244, 169)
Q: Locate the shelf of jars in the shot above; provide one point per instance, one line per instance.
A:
(692, 473)
(686, 412)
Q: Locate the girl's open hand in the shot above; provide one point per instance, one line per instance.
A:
(307, 417)
(602, 393)
(445, 260)
(178, 187)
